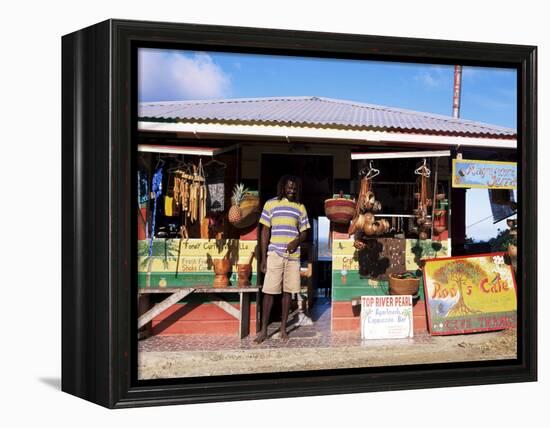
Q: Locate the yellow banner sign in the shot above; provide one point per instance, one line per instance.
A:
(343, 247)
(344, 254)
(195, 255)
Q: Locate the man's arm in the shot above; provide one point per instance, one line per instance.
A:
(265, 243)
(296, 242)
(303, 226)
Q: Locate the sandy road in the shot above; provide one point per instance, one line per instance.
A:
(439, 349)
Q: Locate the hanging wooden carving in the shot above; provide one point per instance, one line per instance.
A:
(423, 202)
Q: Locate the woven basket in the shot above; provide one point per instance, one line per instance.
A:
(340, 210)
(250, 210)
(404, 286)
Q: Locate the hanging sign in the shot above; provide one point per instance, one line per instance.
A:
(386, 317)
(469, 294)
(484, 174)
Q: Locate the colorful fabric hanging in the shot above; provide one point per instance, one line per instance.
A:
(143, 187)
(156, 188)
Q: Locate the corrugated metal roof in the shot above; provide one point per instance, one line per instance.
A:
(315, 111)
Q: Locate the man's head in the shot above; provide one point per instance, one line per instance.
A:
(289, 187)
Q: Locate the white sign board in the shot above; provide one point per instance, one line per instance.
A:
(386, 317)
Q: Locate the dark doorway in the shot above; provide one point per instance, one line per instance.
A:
(315, 171)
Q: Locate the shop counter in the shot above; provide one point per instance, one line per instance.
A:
(183, 270)
(240, 312)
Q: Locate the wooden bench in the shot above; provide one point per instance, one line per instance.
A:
(176, 294)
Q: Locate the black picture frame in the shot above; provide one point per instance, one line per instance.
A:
(99, 352)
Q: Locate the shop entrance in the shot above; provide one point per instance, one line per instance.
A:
(316, 174)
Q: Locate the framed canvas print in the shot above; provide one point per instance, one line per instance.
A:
(253, 213)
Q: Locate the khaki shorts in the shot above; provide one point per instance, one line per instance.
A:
(281, 274)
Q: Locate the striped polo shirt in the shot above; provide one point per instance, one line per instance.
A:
(286, 220)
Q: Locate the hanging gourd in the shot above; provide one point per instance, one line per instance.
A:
(366, 206)
(423, 202)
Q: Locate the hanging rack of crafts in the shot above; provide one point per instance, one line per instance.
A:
(186, 197)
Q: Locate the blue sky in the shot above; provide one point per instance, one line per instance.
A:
(488, 94)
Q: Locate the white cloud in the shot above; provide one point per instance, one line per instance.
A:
(171, 75)
(428, 79)
(434, 76)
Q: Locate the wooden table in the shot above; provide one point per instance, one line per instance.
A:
(178, 293)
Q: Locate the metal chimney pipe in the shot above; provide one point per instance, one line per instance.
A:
(456, 91)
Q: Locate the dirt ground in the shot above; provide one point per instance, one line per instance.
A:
(282, 358)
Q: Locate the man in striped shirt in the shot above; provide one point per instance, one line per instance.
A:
(284, 227)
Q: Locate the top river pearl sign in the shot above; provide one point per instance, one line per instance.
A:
(386, 317)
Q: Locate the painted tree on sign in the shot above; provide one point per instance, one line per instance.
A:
(460, 273)
(407, 313)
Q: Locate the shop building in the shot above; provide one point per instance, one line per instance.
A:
(334, 147)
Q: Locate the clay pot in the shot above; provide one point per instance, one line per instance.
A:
(422, 235)
(512, 250)
(243, 274)
(403, 286)
(221, 269)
